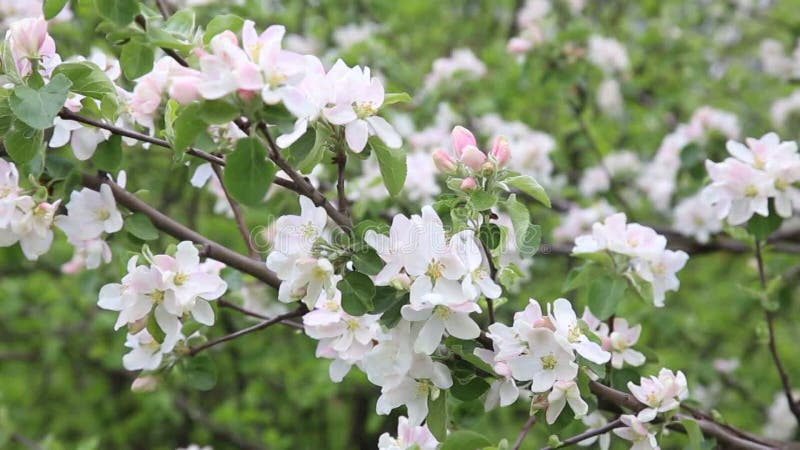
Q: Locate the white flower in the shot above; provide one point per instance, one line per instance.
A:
(569, 333)
(424, 379)
(565, 392)
(90, 214)
(146, 353)
(408, 438)
(478, 279)
(546, 362)
(637, 432)
(593, 421)
(453, 318)
(394, 249)
(662, 393)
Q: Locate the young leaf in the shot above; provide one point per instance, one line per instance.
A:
(136, 59)
(357, 293)
(248, 174)
(218, 112)
(87, 79)
(693, 433)
(437, 416)
(530, 186)
(761, 227)
(396, 97)
(181, 23)
(308, 151)
(470, 390)
(582, 275)
(392, 163)
(482, 200)
(221, 23)
(604, 296)
(38, 108)
(187, 127)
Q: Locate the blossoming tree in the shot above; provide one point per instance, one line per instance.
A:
(422, 297)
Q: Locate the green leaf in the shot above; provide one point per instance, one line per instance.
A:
(248, 174)
(528, 236)
(201, 372)
(437, 416)
(490, 235)
(357, 293)
(136, 59)
(6, 115)
(108, 154)
(306, 152)
(140, 226)
(120, 12)
(599, 369)
(51, 8)
(367, 261)
(187, 127)
(218, 112)
(38, 108)
(761, 227)
(582, 275)
(221, 23)
(465, 440)
(470, 390)
(392, 163)
(181, 23)
(604, 296)
(530, 186)
(392, 315)
(87, 79)
(482, 200)
(693, 433)
(22, 142)
(396, 97)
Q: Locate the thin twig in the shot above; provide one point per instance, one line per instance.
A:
(247, 312)
(341, 162)
(238, 215)
(303, 187)
(211, 249)
(616, 423)
(259, 326)
(492, 275)
(773, 349)
(524, 432)
(163, 8)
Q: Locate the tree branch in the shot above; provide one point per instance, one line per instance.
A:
(773, 349)
(303, 187)
(213, 250)
(238, 215)
(524, 432)
(259, 326)
(341, 162)
(616, 423)
(226, 304)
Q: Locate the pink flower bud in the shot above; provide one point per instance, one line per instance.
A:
(468, 184)
(500, 151)
(29, 38)
(146, 383)
(443, 161)
(461, 137)
(184, 89)
(472, 157)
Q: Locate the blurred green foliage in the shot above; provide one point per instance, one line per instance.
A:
(61, 378)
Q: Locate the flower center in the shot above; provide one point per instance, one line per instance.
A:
(574, 334)
(423, 388)
(750, 191)
(365, 109)
(441, 312)
(352, 325)
(435, 269)
(157, 297)
(103, 214)
(308, 230)
(180, 278)
(779, 185)
(548, 362)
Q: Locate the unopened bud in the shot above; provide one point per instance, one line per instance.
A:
(472, 157)
(444, 162)
(144, 383)
(468, 184)
(501, 151)
(460, 138)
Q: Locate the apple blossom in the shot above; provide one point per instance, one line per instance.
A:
(565, 392)
(568, 331)
(637, 432)
(593, 421)
(546, 362)
(29, 41)
(424, 379)
(661, 394)
(408, 437)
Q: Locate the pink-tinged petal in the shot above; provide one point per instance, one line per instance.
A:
(385, 131)
(460, 137)
(340, 114)
(203, 313)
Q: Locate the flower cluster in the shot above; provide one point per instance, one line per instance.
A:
(763, 170)
(461, 63)
(693, 217)
(469, 159)
(90, 215)
(535, 27)
(541, 350)
(578, 221)
(597, 179)
(658, 179)
(660, 393)
(23, 219)
(617, 339)
(169, 289)
(642, 251)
